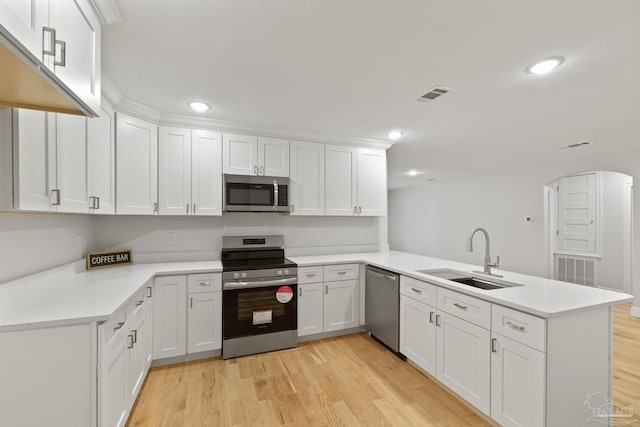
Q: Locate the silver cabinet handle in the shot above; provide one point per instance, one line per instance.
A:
(293, 208)
(205, 283)
(355, 210)
(275, 195)
(310, 274)
(135, 335)
(255, 169)
(300, 293)
(418, 291)
(191, 302)
(187, 208)
(494, 346)
(131, 342)
(341, 273)
(56, 193)
(150, 291)
(63, 54)
(52, 35)
(98, 202)
(359, 210)
(326, 289)
(118, 326)
(261, 170)
(194, 208)
(92, 202)
(514, 326)
(139, 303)
(438, 320)
(155, 207)
(460, 306)
(431, 316)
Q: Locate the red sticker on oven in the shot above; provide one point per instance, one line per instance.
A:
(284, 294)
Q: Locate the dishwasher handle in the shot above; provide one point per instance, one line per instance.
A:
(381, 274)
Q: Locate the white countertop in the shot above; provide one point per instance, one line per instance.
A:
(70, 294)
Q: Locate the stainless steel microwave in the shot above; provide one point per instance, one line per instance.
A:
(244, 193)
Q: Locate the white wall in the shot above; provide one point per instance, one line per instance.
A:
(201, 237)
(435, 219)
(30, 243)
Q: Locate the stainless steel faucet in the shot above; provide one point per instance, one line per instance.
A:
(487, 257)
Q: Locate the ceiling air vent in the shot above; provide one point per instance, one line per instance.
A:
(434, 92)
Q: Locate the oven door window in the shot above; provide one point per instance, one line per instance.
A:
(239, 194)
(257, 311)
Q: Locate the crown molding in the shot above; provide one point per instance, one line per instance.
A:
(143, 112)
(107, 10)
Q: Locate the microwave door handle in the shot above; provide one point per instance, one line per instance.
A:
(275, 195)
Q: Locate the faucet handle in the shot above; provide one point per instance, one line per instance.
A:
(495, 264)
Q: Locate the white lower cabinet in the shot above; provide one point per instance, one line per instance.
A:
(112, 394)
(418, 334)
(135, 358)
(204, 315)
(310, 309)
(464, 359)
(169, 317)
(517, 383)
(341, 305)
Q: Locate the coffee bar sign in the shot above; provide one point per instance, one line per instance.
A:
(108, 259)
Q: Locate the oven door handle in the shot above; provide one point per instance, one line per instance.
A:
(259, 283)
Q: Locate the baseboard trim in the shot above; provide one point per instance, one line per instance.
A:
(186, 358)
(331, 334)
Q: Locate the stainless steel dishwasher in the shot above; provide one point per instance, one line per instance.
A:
(382, 307)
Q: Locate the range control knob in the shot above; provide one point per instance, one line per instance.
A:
(244, 275)
(236, 275)
(286, 271)
(279, 272)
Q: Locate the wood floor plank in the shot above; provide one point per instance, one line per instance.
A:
(343, 381)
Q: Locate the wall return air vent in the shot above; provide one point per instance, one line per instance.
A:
(434, 92)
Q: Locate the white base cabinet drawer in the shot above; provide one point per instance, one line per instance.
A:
(208, 282)
(521, 327)
(341, 272)
(418, 290)
(466, 307)
(310, 274)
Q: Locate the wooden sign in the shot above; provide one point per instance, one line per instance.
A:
(108, 259)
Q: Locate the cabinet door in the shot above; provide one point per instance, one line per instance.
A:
(463, 359)
(341, 180)
(169, 317)
(310, 309)
(372, 182)
(418, 333)
(239, 154)
(135, 368)
(204, 322)
(112, 398)
(306, 186)
(340, 305)
(517, 383)
(71, 162)
(148, 333)
(24, 20)
(174, 171)
(34, 166)
(206, 181)
(273, 157)
(101, 158)
(137, 171)
(78, 60)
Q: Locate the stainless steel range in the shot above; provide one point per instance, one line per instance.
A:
(259, 296)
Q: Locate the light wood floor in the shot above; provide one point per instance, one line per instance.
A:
(344, 381)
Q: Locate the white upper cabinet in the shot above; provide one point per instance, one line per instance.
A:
(101, 161)
(71, 163)
(174, 163)
(306, 187)
(341, 180)
(240, 154)
(206, 172)
(273, 157)
(137, 171)
(190, 174)
(252, 155)
(372, 182)
(65, 36)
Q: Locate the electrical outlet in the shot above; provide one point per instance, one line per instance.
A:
(172, 238)
(308, 232)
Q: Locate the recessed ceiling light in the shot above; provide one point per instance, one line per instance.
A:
(545, 65)
(395, 134)
(198, 106)
(413, 172)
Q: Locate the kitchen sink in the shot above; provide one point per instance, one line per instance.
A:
(468, 279)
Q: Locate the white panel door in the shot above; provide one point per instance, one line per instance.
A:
(101, 161)
(174, 171)
(273, 157)
(418, 333)
(204, 322)
(34, 168)
(71, 162)
(79, 67)
(310, 309)
(340, 305)
(24, 20)
(372, 182)
(239, 154)
(306, 186)
(577, 213)
(169, 317)
(112, 399)
(463, 361)
(206, 173)
(341, 180)
(517, 383)
(137, 171)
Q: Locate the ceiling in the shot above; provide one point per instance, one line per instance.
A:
(356, 68)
